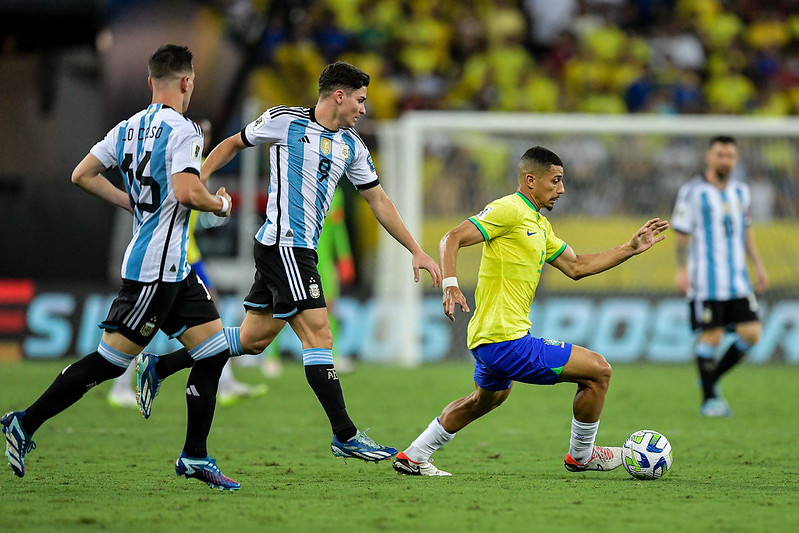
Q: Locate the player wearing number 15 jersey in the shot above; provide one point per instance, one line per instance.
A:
(159, 154)
(149, 147)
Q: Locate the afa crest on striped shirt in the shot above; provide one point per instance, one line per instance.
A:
(325, 146)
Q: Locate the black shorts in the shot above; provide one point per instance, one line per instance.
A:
(141, 309)
(286, 280)
(718, 314)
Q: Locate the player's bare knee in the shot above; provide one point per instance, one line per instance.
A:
(473, 405)
(603, 372)
(751, 338)
(498, 400)
(481, 404)
(711, 337)
(254, 346)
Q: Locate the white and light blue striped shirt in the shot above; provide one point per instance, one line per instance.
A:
(716, 220)
(148, 148)
(306, 163)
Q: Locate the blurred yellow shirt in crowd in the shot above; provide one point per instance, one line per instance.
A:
(729, 93)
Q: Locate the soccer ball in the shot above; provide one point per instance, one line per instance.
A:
(646, 454)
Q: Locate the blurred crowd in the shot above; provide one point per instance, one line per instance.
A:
(585, 56)
(593, 56)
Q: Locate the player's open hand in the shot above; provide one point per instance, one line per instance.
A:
(649, 234)
(452, 296)
(422, 260)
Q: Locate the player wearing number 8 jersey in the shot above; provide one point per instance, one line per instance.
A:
(159, 154)
(517, 241)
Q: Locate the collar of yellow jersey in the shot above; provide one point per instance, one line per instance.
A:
(529, 203)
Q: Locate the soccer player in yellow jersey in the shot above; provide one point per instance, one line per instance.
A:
(518, 239)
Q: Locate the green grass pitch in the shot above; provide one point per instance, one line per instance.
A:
(97, 468)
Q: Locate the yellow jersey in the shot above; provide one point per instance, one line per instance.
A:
(518, 239)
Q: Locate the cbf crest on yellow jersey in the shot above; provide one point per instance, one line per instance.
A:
(306, 163)
(518, 240)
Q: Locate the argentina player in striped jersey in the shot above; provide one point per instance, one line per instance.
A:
(310, 150)
(714, 238)
(158, 152)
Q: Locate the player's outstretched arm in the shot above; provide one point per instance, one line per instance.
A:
(466, 234)
(579, 266)
(386, 213)
(87, 176)
(221, 155)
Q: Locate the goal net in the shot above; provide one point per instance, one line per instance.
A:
(442, 167)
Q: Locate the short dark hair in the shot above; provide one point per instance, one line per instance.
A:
(538, 159)
(341, 75)
(723, 139)
(168, 60)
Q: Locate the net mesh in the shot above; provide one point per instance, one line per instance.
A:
(614, 182)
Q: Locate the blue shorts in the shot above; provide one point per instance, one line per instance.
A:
(527, 360)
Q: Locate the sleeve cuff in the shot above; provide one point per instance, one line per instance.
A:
(557, 254)
(366, 186)
(244, 138)
(479, 227)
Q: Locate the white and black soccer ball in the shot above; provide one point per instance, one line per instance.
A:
(646, 454)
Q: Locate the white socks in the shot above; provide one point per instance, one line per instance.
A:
(581, 444)
(431, 439)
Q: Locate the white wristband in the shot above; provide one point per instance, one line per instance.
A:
(225, 206)
(451, 281)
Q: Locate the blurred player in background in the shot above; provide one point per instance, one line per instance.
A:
(122, 393)
(336, 267)
(159, 153)
(518, 239)
(714, 238)
(311, 149)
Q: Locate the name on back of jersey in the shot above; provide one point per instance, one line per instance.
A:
(153, 132)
